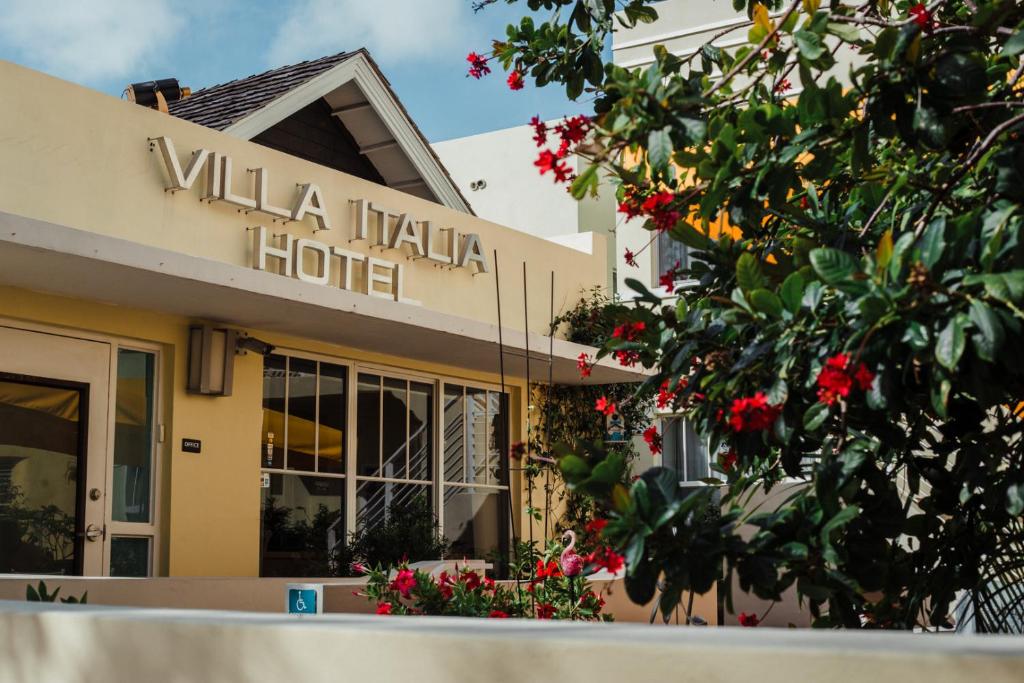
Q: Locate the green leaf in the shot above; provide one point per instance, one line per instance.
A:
(695, 129)
(809, 44)
(883, 252)
(681, 308)
(659, 148)
(839, 520)
(1008, 286)
(933, 242)
(574, 468)
(792, 292)
(765, 301)
(690, 236)
(950, 344)
(815, 416)
(989, 336)
(1015, 45)
(832, 265)
(584, 182)
(795, 550)
(940, 396)
(748, 272)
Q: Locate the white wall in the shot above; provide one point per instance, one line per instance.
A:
(516, 195)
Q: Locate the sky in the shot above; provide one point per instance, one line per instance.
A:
(420, 45)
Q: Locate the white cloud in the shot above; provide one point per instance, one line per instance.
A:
(393, 30)
(88, 40)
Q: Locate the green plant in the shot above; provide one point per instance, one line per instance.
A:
(40, 594)
(408, 532)
(857, 248)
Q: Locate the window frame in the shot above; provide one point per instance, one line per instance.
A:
(438, 381)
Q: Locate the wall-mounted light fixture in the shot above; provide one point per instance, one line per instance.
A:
(211, 360)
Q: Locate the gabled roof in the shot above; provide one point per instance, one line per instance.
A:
(358, 95)
(219, 106)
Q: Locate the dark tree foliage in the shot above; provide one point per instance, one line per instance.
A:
(853, 325)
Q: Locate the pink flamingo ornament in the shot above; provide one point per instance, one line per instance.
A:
(572, 563)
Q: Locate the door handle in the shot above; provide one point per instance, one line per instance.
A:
(94, 533)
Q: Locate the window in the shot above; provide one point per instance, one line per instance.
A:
(394, 445)
(302, 454)
(684, 451)
(133, 525)
(416, 444)
(475, 471)
(670, 252)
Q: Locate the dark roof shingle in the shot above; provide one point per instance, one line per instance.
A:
(220, 106)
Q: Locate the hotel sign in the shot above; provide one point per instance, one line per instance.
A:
(311, 260)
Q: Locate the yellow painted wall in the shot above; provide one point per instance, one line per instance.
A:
(80, 158)
(210, 502)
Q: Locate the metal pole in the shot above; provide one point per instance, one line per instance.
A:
(503, 426)
(526, 342)
(551, 388)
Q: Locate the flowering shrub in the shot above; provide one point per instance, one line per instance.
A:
(546, 594)
(854, 242)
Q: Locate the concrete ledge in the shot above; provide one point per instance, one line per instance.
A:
(90, 643)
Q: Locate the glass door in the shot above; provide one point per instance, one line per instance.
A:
(53, 435)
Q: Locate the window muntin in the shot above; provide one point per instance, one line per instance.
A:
(395, 429)
(670, 252)
(475, 500)
(303, 402)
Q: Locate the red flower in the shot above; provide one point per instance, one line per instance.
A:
(863, 377)
(404, 582)
(627, 358)
(477, 65)
(384, 608)
(515, 80)
(804, 204)
(540, 131)
(748, 619)
(607, 558)
(729, 460)
(630, 258)
(753, 413)
(551, 570)
(549, 161)
(658, 207)
(545, 610)
(571, 131)
(653, 439)
(668, 278)
(471, 579)
(359, 568)
(922, 17)
(595, 526)
(666, 397)
(444, 585)
(517, 450)
(584, 364)
(489, 584)
(783, 85)
(498, 614)
(629, 331)
(603, 405)
(836, 379)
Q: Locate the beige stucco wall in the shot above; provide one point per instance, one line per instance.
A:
(80, 158)
(82, 643)
(210, 503)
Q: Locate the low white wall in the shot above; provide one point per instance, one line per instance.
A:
(108, 645)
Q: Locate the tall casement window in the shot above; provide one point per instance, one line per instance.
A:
(670, 252)
(684, 451)
(406, 442)
(394, 446)
(475, 471)
(302, 458)
(132, 522)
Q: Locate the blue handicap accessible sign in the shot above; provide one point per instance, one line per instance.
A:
(302, 601)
